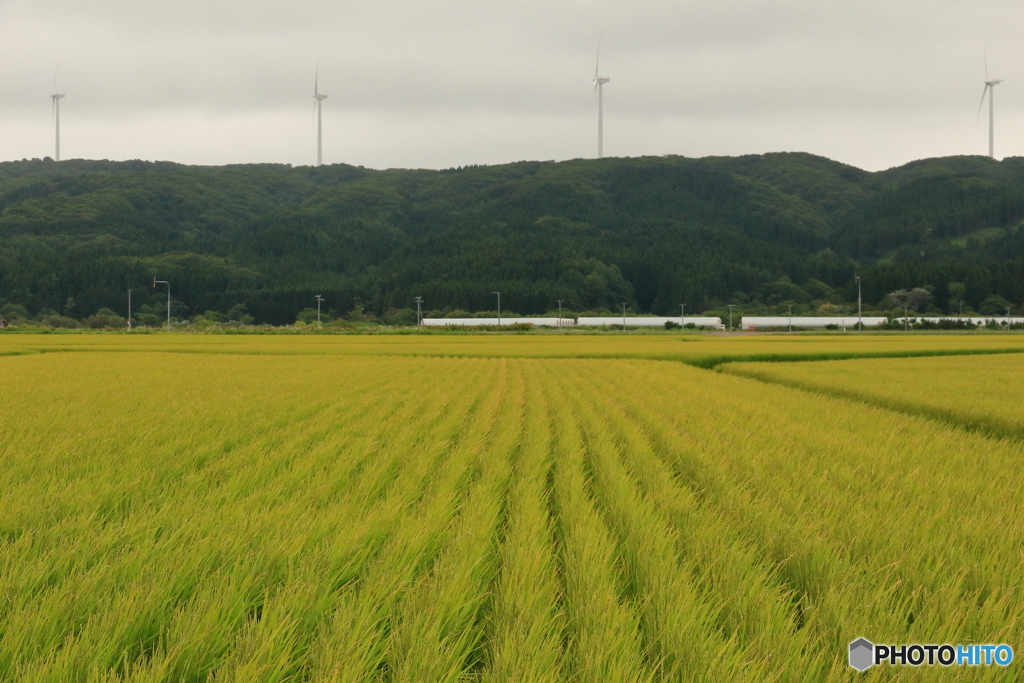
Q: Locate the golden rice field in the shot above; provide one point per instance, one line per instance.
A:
(980, 392)
(419, 509)
(703, 350)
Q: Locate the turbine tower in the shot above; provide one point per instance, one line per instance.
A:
(56, 118)
(990, 90)
(599, 82)
(319, 97)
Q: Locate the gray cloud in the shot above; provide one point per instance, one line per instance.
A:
(445, 82)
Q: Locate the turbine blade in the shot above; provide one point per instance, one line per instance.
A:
(982, 103)
(597, 62)
(986, 62)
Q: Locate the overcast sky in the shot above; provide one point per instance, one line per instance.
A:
(440, 83)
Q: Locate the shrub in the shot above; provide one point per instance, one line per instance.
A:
(59, 321)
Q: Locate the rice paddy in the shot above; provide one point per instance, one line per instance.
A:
(536, 508)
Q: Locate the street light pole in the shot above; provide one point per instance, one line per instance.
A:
(165, 282)
(499, 307)
(419, 311)
(318, 300)
(860, 323)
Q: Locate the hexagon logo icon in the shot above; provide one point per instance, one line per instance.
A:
(862, 654)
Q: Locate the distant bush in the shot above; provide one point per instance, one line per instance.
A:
(517, 327)
(944, 324)
(149, 320)
(59, 321)
(309, 315)
(15, 313)
(105, 318)
(404, 316)
(215, 317)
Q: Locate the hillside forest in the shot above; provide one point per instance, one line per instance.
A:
(257, 243)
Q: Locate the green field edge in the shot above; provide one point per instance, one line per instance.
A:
(714, 362)
(709, 362)
(995, 429)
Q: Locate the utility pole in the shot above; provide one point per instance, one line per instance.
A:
(730, 316)
(790, 317)
(860, 323)
(419, 311)
(165, 282)
(623, 317)
(499, 307)
(318, 300)
(129, 309)
(682, 317)
(560, 312)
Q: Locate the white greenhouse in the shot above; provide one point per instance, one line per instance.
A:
(471, 322)
(636, 321)
(778, 321)
(650, 321)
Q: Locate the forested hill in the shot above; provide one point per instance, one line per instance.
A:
(762, 232)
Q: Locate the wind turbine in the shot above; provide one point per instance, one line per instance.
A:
(599, 82)
(319, 97)
(57, 96)
(990, 90)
